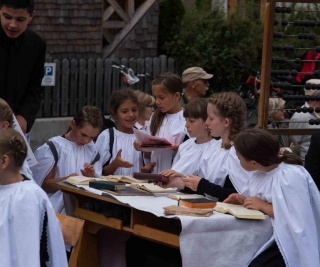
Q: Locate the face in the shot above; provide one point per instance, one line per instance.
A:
(14, 21)
(126, 115)
(165, 101)
(248, 165)
(200, 87)
(196, 127)
(217, 125)
(147, 113)
(279, 115)
(83, 135)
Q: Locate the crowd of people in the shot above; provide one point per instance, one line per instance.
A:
(213, 154)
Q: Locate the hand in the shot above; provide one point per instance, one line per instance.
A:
(120, 162)
(22, 122)
(136, 145)
(88, 170)
(191, 181)
(236, 199)
(174, 182)
(148, 167)
(171, 173)
(254, 203)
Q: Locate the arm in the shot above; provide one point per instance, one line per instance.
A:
(118, 162)
(256, 203)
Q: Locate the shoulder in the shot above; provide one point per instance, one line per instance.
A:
(34, 37)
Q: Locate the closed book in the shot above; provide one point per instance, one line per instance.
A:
(197, 203)
(112, 186)
(150, 177)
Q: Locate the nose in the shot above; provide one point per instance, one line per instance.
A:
(12, 24)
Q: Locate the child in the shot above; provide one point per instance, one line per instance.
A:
(116, 144)
(167, 121)
(220, 166)
(190, 152)
(74, 153)
(22, 54)
(29, 229)
(6, 121)
(146, 103)
(280, 187)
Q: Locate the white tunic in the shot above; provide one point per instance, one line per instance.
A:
(122, 141)
(22, 208)
(72, 157)
(219, 162)
(173, 129)
(189, 156)
(296, 205)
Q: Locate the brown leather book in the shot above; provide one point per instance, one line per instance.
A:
(197, 203)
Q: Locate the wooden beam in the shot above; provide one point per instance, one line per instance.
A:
(138, 15)
(113, 24)
(107, 35)
(232, 6)
(107, 13)
(119, 10)
(130, 8)
(263, 10)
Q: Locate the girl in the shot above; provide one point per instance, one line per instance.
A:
(116, 144)
(6, 121)
(190, 152)
(74, 153)
(220, 166)
(146, 103)
(29, 229)
(167, 121)
(284, 190)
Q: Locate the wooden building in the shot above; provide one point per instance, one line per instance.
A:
(98, 28)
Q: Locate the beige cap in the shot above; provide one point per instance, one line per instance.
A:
(195, 73)
(312, 91)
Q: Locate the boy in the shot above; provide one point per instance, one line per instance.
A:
(22, 54)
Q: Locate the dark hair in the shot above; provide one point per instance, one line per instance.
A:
(263, 147)
(196, 108)
(6, 113)
(120, 96)
(13, 145)
(171, 83)
(23, 4)
(230, 105)
(89, 114)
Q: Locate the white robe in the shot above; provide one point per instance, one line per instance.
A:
(22, 209)
(71, 160)
(122, 141)
(189, 156)
(296, 205)
(173, 129)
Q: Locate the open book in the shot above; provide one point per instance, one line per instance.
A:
(239, 211)
(80, 180)
(150, 143)
(152, 188)
(122, 179)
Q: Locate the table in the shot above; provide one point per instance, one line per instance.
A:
(218, 240)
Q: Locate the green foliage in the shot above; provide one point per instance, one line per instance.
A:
(207, 39)
(171, 14)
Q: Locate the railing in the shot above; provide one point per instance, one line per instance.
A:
(91, 82)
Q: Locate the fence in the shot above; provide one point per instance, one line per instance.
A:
(91, 82)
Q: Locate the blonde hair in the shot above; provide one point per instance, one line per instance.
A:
(6, 113)
(144, 100)
(274, 105)
(311, 92)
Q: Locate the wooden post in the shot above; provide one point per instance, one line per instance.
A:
(263, 10)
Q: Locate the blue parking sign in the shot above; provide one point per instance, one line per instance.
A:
(49, 77)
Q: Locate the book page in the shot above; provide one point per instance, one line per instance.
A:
(79, 180)
(154, 188)
(238, 211)
(150, 142)
(121, 178)
(184, 196)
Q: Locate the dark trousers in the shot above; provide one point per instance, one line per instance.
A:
(271, 257)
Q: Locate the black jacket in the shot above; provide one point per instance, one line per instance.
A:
(21, 72)
(312, 159)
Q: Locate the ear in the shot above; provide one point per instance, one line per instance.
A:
(227, 122)
(72, 124)
(31, 16)
(177, 95)
(113, 114)
(5, 125)
(4, 162)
